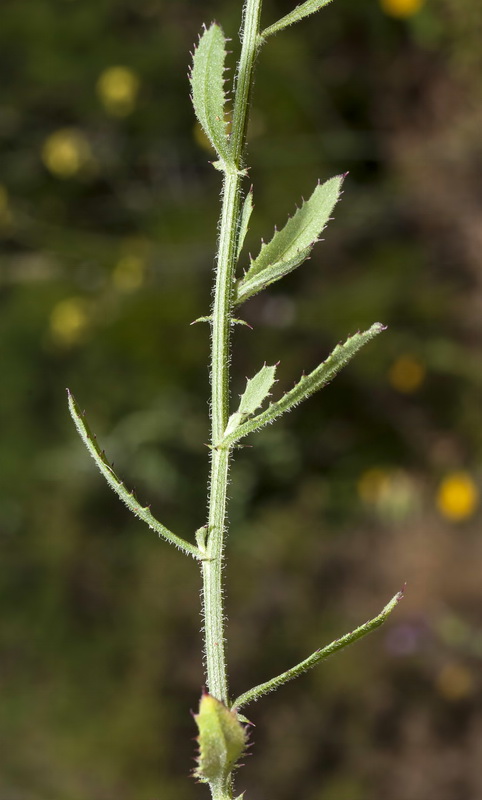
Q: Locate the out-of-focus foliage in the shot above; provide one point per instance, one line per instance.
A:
(108, 210)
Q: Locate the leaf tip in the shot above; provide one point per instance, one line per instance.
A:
(394, 602)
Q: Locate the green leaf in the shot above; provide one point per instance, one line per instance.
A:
(207, 84)
(317, 656)
(244, 221)
(222, 740)
(249, 286)
(300, 12)
(323, 374)
(257, 390)
(143, 512)
(292, 245)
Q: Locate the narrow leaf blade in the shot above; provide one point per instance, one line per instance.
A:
(308, 384)
(244, 221)
(207, 84)
(300, 12)
(291, 245)
(116, 484)
(318, 655)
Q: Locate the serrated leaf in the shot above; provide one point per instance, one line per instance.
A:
(300, 12)
(143, 512)
(290, 246)
(222, 740)
(244, 221)
(207, 83)
(257, 390)
(307, 385)
(247, 288)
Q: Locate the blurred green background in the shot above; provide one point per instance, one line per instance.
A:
(108, 213)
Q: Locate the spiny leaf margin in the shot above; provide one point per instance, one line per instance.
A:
(256, 392)
(246, 288)
(207, 85)
(307, 385)
(142, 512)
(246, 212)
(291, 245)
(222, 740)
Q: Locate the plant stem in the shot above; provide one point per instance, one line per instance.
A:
(220, 352)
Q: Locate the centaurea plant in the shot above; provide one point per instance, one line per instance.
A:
(222, 728)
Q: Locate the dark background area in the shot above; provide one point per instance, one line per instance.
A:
(108, 214)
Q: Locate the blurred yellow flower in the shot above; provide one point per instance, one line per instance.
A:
(401, 8)
(407, 374)
(66, 152)
(455, 682)
(393, 494)
(117, 88)
(128, 273)
(457, 496)
(69, 321)
(372, 484)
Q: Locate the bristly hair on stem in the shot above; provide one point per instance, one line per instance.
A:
(222, 735)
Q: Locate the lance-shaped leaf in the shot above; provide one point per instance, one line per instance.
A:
(257, 390)
(307, 385)
(244, 220)
(207, 83)
(292, 245)
(143, 512)
(300, 12)
(222, 740)
(317, 656)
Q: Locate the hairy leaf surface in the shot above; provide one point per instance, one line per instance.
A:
(300, 12)
(207, 83)
(244, 221)
(257, 390)
(222, 740)
(290, 246)
(318, 655)
(308, 384)
(143, 512)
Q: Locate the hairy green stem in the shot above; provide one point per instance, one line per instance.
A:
(220, 352)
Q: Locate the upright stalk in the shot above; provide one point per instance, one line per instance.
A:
(222, 734)
(220, 355)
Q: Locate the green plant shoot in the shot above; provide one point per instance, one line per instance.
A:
(222, 734)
